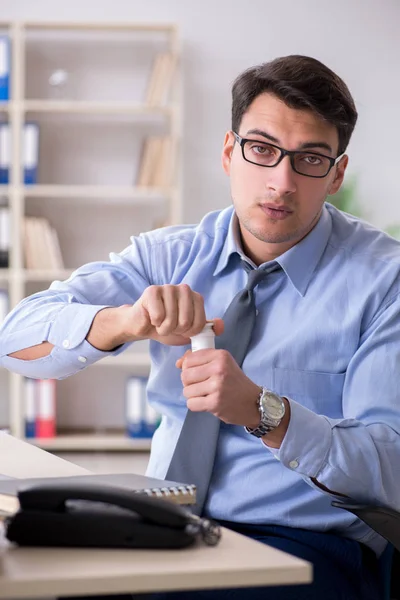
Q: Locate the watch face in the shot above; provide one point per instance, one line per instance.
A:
(273, 406)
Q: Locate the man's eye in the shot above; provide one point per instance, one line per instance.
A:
(312, 159)
(261, 149)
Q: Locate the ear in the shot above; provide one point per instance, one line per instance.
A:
(339, 175)
(227, 150)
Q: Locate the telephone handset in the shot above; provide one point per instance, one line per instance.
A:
(103, 516)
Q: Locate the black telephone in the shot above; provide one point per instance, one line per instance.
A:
(103, 516)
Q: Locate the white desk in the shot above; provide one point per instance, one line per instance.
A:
(35, 572)
(21, 459)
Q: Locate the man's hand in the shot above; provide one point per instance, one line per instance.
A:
(170, 314)
(214, 382)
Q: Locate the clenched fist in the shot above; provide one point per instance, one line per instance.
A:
(169, 314)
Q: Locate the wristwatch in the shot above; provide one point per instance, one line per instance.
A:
(272, 410)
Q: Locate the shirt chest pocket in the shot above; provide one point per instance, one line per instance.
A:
(320, 392)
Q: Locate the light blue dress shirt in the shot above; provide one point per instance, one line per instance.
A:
(327, 337)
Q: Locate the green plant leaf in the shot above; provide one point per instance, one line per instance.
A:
(394, 231)
(345, 199)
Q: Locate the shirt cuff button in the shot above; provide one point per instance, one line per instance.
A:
(293, 464)
(65, 344)
(82, 359)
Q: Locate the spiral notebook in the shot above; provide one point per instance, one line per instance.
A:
(138, 484)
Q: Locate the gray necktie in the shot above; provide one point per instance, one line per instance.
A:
(194, 454)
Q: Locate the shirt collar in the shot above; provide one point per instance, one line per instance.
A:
(298, 262)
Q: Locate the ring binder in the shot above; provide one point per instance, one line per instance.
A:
(4, 68)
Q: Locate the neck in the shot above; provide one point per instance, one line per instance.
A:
(261, 252)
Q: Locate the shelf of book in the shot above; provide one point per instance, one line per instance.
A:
(137, 94)
(90, 108)
(97, 192)
(92, 442)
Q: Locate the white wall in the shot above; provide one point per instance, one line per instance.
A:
(356, 38)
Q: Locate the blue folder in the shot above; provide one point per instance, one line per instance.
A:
(5, 153)
(31, 153)
(4, 68)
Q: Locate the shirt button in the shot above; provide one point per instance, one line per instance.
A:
(82, 359)
(293, 464)
(65, 344)
(257, 312)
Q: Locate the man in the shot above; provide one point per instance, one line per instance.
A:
(324, 349)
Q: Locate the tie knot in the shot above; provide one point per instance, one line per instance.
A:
(256, 275)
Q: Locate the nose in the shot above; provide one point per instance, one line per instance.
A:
(281, 179)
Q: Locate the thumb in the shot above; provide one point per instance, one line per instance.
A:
(180, 360)
(218, 326)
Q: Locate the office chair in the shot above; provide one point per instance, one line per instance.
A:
(386, 522)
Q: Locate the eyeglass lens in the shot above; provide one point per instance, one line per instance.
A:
(306, 163)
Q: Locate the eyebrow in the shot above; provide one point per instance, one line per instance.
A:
(305, 146)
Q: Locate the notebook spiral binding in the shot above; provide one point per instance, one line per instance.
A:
(188, 492)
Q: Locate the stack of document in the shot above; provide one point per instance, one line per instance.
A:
(41, 245)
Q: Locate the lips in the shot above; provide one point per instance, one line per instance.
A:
(278, 212)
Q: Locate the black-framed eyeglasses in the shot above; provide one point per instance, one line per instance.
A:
(264, 154)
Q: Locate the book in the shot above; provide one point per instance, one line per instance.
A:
(30, 407)
(30, 245)
(154, 77)
(163, 172)
(5, 237)
(30, 149)
(156, 165)
(46, 408)
(41, 244)
(40, 254)
(134, 392)
(149, 160)
(161, 77)
(4, 68)
(5, 153)
(40, 407)
(138, 484)
(55, 249)
(30, 153)
(141, 418)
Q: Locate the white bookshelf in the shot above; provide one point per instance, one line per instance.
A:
(93, 442)
(35, 46)
(99, 193)
(101, 108)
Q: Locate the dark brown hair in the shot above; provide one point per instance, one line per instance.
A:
(301, 82)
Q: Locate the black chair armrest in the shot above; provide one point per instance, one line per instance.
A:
(384, 521)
